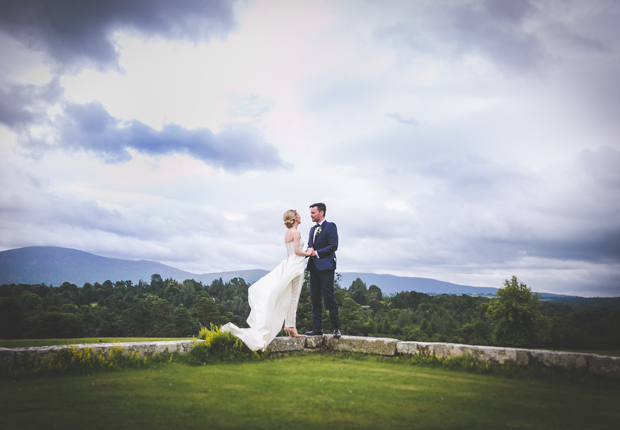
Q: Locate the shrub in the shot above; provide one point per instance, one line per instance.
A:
(218, 346)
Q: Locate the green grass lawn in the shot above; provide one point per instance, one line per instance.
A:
(306, 391)
(25, 343)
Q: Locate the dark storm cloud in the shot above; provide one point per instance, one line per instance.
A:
(479, 209)
(497, 30)
(527, 216)
(21, 215)
(90, 127)
(22, 105)
(493, 29)
(76, 32)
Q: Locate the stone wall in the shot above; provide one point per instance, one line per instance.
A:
(8, 356)
(596, 364)
(592, 363)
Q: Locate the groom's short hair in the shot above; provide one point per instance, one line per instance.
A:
(319, 207)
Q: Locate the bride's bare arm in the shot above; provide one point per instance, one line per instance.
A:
(298, 250)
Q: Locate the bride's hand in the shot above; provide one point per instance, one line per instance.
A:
(309, 251)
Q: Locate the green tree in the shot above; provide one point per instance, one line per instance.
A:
(374, 293)
(426, 327)
(161, 314)
(89, 291)
(515, 316)
(304, 308)
(359, 292)
(157, 284)
(350, 316)
(173, 293)
(207, 311)
(189, 291)
(54, 324)
(31, 304)
(140, 314)
(11, 315)
(183, 323)
(405, 318)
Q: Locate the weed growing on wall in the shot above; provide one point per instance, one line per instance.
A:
(463, 363)
(73, 360)
(218, 346)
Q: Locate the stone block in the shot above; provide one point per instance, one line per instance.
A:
(407, 348)
(132, 348)
(566, 360)
(416, 348)
(426, 349)
(444, 350)
(281, 344)
(604, 365)
(489, 354)
(314, 341)
(24, 355)
(494, 354)
(367, 345)
(524, 358)
(7, 357)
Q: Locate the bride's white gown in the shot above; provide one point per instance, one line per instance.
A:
(272, 298)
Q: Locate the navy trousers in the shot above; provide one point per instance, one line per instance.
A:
(322, 281)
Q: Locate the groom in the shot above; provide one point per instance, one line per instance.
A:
(322, 265)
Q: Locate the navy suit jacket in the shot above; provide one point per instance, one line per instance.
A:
(325, 245)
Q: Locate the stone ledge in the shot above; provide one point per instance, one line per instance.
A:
(488, 354)
(282, 344)
(595, 364)
(9, 356)
(367, 345)
(565, 360)
(314, 341)
(604, 365)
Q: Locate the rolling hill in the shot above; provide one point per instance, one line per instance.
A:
(54, 265)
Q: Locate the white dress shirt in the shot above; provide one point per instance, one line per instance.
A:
(315, 235)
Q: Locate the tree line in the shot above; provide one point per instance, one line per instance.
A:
(167, 308)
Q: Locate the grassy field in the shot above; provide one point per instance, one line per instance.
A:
(306, 391)
(25, 343)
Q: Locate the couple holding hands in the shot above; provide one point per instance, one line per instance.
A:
(273, 299)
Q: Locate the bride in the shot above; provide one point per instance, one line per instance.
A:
(273, 298)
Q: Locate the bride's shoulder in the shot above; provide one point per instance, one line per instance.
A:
(291, 234)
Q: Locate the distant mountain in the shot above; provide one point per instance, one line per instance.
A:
(583, 303)
(390, 284)
(53, 265)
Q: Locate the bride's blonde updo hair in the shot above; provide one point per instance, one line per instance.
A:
(289, 218)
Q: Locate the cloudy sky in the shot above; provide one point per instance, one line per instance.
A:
(466, 141)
